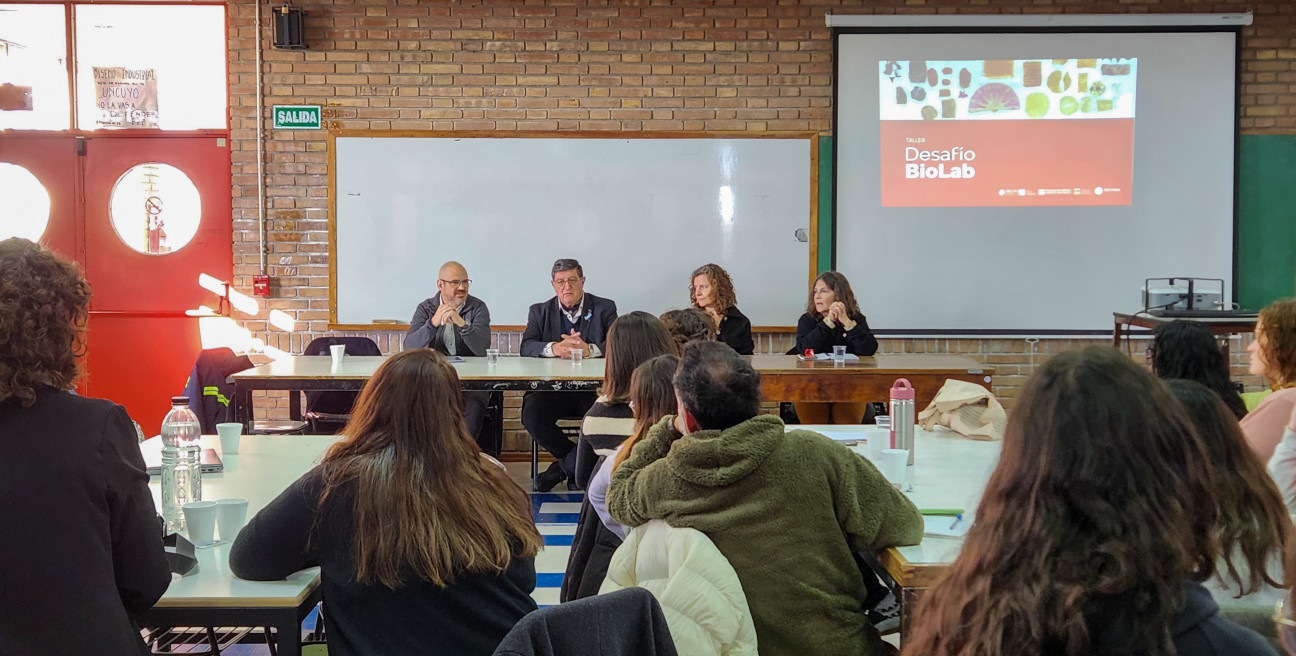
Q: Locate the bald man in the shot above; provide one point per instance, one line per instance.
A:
(455, 323)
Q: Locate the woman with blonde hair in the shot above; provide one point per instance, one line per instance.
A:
(712, 291)
(421, 540)
(1273, 356)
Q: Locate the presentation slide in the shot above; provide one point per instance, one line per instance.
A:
(1007, 132)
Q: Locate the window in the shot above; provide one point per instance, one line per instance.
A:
(27, 204)
(33, 51)
(155, 208)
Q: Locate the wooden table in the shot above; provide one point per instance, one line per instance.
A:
(212, 596)
(783, 377)
(1217, 325)
(949, 471)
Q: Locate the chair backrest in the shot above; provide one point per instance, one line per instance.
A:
(628, 622)
(337, 403)
(210, 394)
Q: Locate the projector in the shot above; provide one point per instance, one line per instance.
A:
(1183, 294)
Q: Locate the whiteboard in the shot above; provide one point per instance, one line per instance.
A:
(639, 213)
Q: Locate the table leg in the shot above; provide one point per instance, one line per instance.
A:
(909, 598)
(244, 412)
(288, 638)
(294, 405)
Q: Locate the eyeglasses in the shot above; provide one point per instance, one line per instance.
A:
(457, 283)
(565, 282)
(1286, 627)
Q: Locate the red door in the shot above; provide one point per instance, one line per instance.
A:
(157, 215)
(52, 160)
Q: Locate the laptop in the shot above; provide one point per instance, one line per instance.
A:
(209, 464)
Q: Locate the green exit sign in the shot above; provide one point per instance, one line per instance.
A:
(297, 117)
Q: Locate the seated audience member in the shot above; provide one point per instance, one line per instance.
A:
(1282, 466)
(1091, 531)
(689, 325)
(82, 546)
(1273, 355)
(570, 321)
(832, 318)
(1253, 527)
(712, 291)
(598, 535)
(787, 509)
(424, 544)
(456, 323)
(1187, 350)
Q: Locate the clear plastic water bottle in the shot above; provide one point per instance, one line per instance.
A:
(181, 462)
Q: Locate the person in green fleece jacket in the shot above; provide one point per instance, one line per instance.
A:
(787, 509)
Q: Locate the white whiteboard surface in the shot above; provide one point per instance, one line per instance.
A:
(639, 214)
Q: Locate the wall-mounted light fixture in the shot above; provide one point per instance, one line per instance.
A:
(289, 27)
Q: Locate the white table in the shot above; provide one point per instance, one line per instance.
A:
(949, 471)
(212, 596)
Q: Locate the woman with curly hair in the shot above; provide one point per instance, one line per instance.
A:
(689, 325)
(82, 545)
(1092, 531)
(1273, 355)
(712, 291)
(1187, 350)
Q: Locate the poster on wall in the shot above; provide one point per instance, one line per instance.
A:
(126, 97)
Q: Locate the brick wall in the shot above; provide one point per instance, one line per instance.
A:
(754, 65)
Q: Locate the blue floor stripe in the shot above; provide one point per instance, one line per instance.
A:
(557, 540)
(557, 518)
(553, 580)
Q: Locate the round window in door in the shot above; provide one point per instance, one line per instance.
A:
(27, 204)
(155, 208)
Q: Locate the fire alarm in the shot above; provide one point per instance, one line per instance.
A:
(261, 285)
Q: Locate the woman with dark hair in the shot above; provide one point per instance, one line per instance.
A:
(652, 396)
(421, 539)
(1187, 350)
(1273, 356)
(81, 546)
(832, 318)
(632, 339)
(1092, 530)
(689, 325)
(1253, 528)
(712, 291)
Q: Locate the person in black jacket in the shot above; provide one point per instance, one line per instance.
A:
(424, 544)
(712, 291)
(1093, 530)
(81, 549)
(570, 321)
(832, 318)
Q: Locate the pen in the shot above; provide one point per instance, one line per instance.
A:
(957, 518)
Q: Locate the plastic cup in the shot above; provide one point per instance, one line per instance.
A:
(230, 435)
(492, 356)
(894, 463)
(577, 355)
(337, 351)
(839, 352)
(231, 514)
(878, 439)
(200, 522)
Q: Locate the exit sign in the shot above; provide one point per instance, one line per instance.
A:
(296, 117)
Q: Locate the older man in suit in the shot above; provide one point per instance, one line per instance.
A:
(570, 321)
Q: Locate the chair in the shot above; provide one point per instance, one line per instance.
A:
(619, 623)
(328, 412)
(211, 395)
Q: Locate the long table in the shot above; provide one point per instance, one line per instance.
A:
(1217, 325)
(212, 596)
(783, 377)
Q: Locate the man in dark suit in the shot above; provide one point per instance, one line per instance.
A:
(455, 323)
(572, 320)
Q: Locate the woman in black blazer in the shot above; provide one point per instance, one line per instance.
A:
(833, 318)
(82, 546)
(712, 291)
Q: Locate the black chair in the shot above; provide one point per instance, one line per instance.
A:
(328, 412)
(211, 395)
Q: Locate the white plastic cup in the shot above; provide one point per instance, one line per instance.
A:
(894, 463)
(577, 355)
(231, 514)
(230, 435)
(878, 439)
(492, 356)
(839, 352)
(200, 522)
(337, 351)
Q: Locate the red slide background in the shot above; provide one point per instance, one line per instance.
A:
(1011, 155)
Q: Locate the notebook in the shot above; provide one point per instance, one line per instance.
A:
(210, 464)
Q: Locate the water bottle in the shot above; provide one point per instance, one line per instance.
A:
(181, 462)
(902, 417)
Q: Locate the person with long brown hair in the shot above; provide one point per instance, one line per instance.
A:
(1092, 529)
(832, 318)
(82, 546)
(1273, 356)
(712, 291)
(1254, 527)
(422, 541)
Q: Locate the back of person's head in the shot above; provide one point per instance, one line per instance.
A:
(632, 339)
(427, 504)
(841, 288)
(1101, 489)
(652, 395)
(1187, 350)
(43, 303)
(1253, 521)
(689, 325)
(1276, 330)
(718, 387)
